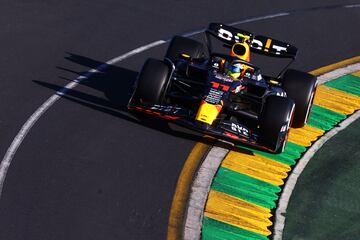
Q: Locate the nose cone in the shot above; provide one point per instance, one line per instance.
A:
(207, 112)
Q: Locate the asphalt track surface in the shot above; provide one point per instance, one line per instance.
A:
(88, 169)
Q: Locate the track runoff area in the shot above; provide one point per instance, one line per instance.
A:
(247, 196)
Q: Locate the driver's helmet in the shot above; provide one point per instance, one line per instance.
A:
(234, 70)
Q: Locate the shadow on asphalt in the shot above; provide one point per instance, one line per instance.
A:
(116, 84)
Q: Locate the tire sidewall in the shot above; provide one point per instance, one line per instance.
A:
(275, 120)
(300, 87)
(151, 82)
(182, 45)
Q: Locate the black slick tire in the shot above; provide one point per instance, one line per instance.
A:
(301, 88)
(151, 83)
(182, 45)
(275, 120)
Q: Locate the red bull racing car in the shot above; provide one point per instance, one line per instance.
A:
(225, 95)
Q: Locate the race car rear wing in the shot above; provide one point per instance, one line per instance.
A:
(258, 43)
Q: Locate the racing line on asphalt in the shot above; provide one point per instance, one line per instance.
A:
(25, 129)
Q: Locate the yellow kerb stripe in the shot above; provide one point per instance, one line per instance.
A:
(239, 213)
(356, 73)
(257, 166)
(336, 100)
(180, 198)
(331, 67)
(305, 135)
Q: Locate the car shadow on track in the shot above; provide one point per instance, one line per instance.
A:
(116, 84)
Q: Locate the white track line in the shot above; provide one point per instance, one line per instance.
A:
(200, 188)
(352, 6)
(300, 166)
(338, 73)
(247, 20)
(10, 153)
(255, 19)
(19, 138)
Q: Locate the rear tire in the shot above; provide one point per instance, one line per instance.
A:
(151, 83)
(275, 120)
(301, 88)
(180, 45)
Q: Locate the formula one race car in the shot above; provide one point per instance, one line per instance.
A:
(223, 95)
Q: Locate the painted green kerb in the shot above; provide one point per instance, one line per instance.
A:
(262, 193)
(215, 230)
(291, 153)
(348, 83)
(246, 188)
(324, 119)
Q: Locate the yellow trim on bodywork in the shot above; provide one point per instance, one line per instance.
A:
(207, 113)
(274, 82)
(267, 45)
(185, 55)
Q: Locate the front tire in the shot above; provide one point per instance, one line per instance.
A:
(182, 45)
(301, 88)
(275, 120)
(151, 83)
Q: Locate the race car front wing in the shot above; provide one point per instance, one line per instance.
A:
(222, 129)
